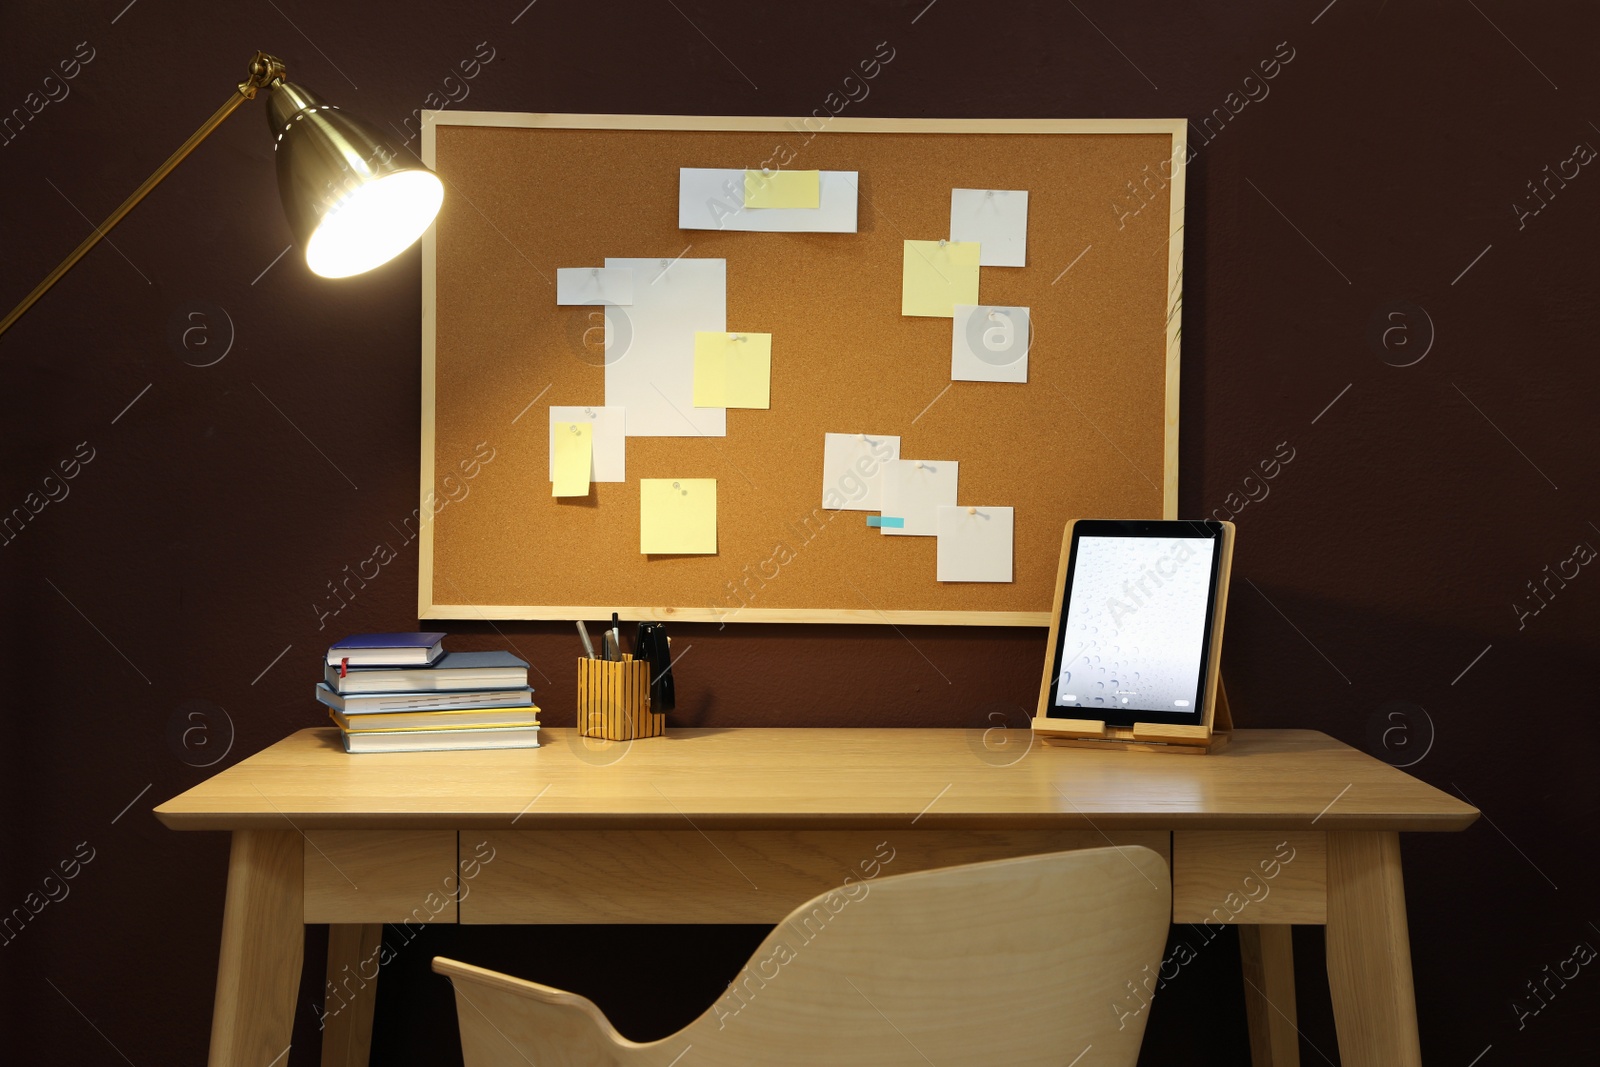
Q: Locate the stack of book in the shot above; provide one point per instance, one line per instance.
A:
(405, 693)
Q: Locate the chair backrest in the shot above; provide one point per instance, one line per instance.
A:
(1046, 960)
(1020, 961)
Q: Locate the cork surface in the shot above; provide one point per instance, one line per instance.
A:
(1084, 437)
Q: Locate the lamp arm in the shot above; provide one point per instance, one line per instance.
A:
(264, 70)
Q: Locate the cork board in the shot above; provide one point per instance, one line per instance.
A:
(1093, 432)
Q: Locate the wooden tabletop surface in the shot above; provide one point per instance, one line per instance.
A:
(817, 779)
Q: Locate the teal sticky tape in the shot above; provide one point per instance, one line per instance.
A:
(884, 520)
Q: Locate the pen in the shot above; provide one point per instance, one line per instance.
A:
(616, 635)
(588, 646)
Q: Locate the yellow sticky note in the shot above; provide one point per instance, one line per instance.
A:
(732, 370)
(939, 275)
(574, 443)
(678, 516)
(783, 188)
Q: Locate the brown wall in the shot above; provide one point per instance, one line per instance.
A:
(1386, 155)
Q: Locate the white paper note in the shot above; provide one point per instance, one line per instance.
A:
(997, 219)
(913, 491)
(713, 199)
(974, 544)
(650, 345)
(989, 344)
(610, 443)
(851, 463)
(593, 285)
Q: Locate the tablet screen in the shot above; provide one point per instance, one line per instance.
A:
(1134, 632)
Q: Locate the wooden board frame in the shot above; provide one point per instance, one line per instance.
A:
(429, 608)
(1210, 736)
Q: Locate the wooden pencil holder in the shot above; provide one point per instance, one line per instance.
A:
(614, 700)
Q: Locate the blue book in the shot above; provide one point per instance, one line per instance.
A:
(451, 671)
(387, 650)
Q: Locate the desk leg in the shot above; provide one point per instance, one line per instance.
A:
(351, 996)
(1268, 956)
(1369, 952)
(263, 944)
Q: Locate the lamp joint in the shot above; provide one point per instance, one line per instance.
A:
(265, 71)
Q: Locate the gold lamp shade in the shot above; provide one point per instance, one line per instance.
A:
(352, 202)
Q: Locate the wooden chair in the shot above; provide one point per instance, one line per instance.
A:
(1036, 960)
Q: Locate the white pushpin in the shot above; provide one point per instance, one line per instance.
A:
(919, 465)
(942, 242)
(972, 511)
(766, 172)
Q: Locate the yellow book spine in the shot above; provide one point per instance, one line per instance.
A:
(343, 723)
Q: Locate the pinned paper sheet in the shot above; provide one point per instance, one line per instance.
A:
(997, 219)
(569, 475)
(713, 199)
(594, 285)
(783, 188)
(914, 490)
(678, 516)
(609, 444)
(974, 544)
(989, 344)
(650, 345)
(938, 275)
(733, 370)
(851, 463)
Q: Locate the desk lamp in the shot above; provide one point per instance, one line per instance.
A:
(352, 203)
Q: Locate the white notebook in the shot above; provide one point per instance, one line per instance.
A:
(442, 740)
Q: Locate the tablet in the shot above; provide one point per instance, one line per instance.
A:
(1137, 625)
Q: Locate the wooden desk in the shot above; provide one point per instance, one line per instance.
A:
(719, 826)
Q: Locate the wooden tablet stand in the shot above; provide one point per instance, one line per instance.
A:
(1143, 736)
(1209, 736)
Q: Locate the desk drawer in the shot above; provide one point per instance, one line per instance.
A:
(1227, 878)
(722, 876)
(380, 876)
